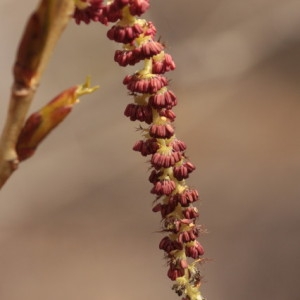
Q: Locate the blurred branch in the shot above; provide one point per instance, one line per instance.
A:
(40, 36)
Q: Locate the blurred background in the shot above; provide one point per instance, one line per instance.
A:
(76, 220)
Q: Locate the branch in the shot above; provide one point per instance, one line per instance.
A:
(39, 38)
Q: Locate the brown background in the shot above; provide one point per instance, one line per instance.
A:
(76, 220)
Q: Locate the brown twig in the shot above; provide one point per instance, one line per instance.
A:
(40, 36)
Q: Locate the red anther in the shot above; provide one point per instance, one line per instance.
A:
(138, 146)
(138, 7)
(173, 274)
(185, 237)
(187, 197)
(173, 200)
(190, 212)
(180, 172)
(165, 161)
(157, 207)
(191, 195)
(178, 145)
(163, 187)
(111, 12)
(142, 113)
(157, 82)
(193, 233)
(126, 57)
(167, 209)
(163, 100)
(180, 272)
(151, 145)
(183, 171)
(154, 176)
(177, 269)
(89, 13)
(147, 85)
(150, 48)
(168, 245)
(161, 131)
(194, 251)
(124, 34)
(165, 244)
(167, 113)
(147, 147)
(161, 66)
(149, 29)
(183, 264)
(127, 79)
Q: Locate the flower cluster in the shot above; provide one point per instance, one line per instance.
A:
(153, 102)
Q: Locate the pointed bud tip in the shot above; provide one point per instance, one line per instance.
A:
(85, 88)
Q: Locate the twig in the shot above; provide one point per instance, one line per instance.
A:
(40, 36)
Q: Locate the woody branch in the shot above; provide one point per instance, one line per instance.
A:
(39, 38)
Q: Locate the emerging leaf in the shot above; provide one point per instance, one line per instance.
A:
(42, 122)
